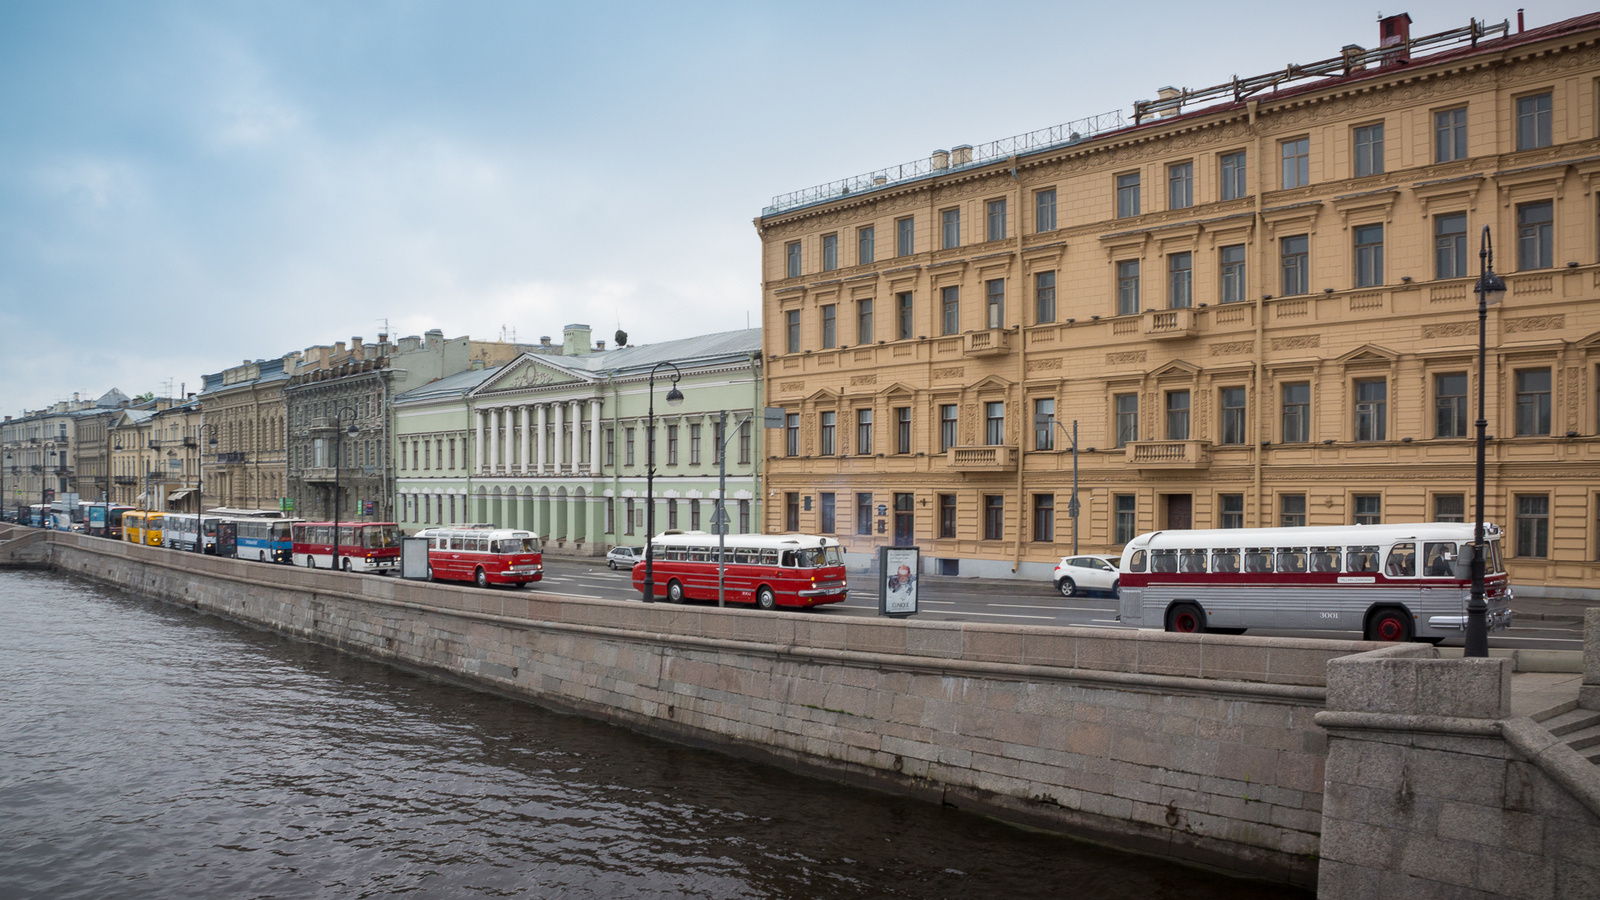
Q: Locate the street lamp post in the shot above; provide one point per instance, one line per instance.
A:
(674, 398)
(199, 484)
(1491, 289)
(338, 453)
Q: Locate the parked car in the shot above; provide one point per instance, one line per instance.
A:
(624, 557)
(1079, 574)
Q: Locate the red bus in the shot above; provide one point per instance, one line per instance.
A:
(769, 570)
(483, 556)
(363, 546)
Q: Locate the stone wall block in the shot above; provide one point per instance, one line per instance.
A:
(1168, 657)
(1241, 762)
(871, 636)
(1449, 862)
(1104, 653)
(1229, 658)
(938, 642)
(1591, 646)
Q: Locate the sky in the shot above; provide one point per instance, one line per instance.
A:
(186, 185)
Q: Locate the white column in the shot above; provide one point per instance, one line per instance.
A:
(527, 437)
(538, 447)
(494, 440)
(560, 410)
(577, 434)
(511, 433)
(478, 450)
(594, 437)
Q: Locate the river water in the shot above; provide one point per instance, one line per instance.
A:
(150, 751)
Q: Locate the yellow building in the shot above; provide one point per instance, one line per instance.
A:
(1255, 302)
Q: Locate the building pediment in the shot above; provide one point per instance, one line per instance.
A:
(1369, 353)
(528, 371)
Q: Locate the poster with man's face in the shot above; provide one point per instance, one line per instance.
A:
(897, 588)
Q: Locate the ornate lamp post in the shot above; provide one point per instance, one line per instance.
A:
(1491, 289)
(199, 485)
(338, 454)
(674, 398)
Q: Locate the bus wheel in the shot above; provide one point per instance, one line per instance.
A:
(430, 571)
(765, 599)
(1388, 625)
(311, 562)
(480, 577)
(345, 564)
(674, 591)
(1116, 589)
(1066, 587)
(1186, 618)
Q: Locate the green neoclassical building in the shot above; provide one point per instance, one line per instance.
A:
(558, 444)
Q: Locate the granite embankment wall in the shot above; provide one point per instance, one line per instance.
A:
(1198, 747)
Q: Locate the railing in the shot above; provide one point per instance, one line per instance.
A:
(1169, 323)
(1169, 454)
(231, 459)
(982, 459)
(320, 473)
(992, 342)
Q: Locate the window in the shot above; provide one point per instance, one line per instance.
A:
(1296, 413)
(792, 320)
(1127, 407)
(863, 514)
(996, 220)
(1296, 254)
(947, 426)
(694, 445)
(904, 236)
(792, 254)
(1369, 255)
(1450, 135)
(791, 512)
(1535, 222)
(994, 423)
(672, 445)
(1044, 211)
(947, 515)
(1533, 402)
(1533, 525)
(949, 228)
(1449, 508)
(950, 309)
(1231, 508)
(1368, 509)
(994, 517)
(1128, 287)
(1177, 415)
(830, 252)
(826, 523)
(1044, 424)
(627, 435)
(672, 514)
(744, 516)
(903, 316)
(1296, 162)
(1233, 177)
(1180, 280)
(1369, 150)
(865, 238)
(1450, 405)
(791, 434)
(1126, 508)
(1044, 297)
(864, 432)
(902, 429)
(1127, 195)
(1292, 510)
(1180, 186)
(694, 515)
(628, 512)
(1450, 246)
(828, 323)
(904, 515)
(1372, 405)
(825, 433)
(1044, 517)
(744, 442)
(1533, 123)
(863, 321)
(1233, 286)
(995, 294)
(1233, 416)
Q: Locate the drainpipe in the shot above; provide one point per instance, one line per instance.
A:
(756, 434)
(1022, 369)
(616, 468)
(1263, 432)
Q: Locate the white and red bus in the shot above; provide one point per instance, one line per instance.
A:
(769, 570)
(484, 556)
(363, 546)
(1390, 582)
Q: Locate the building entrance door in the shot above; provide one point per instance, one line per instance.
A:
(1180, 511)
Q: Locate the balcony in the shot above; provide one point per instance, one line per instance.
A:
(318, 474)
(231, 459)
(982, 459)
(1167, 324)
(990, 342)
(1156, 455)
(125, 479)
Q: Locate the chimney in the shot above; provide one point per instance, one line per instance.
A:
(1169, 93)
(74, 396)
(1395, 31)
(338, 348)
(941, 159)
(599, 346)
(355, 347)
(960, 154)
(433, 335)
(544, 340)
(574, 340)
(476, 364)
(1352, 53)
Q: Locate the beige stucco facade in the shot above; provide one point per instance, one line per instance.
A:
(1325, 238)
(245, 412)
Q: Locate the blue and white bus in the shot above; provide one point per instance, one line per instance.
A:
(264, 540)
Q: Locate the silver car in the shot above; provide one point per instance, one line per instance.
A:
(624, 557)
(1079, 574)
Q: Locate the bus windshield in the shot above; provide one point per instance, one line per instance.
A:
(819, 556)
(517, 545)
(379, 537)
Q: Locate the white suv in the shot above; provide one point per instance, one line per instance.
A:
(624, 557)
(1079, 574)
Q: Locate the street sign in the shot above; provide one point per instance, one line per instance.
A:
(772, 417)
(286, 504)
(720, 521)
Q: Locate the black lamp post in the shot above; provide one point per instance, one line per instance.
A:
(674, 398)
(338, 453)
(199, 485)
(3, 483)
(1491, 289)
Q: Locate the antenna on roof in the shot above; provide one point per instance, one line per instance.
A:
(508, 334)
(383, 334)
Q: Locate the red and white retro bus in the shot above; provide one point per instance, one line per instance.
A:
(484, 556)
(769, 570)
(1390, 582)
(363, 546)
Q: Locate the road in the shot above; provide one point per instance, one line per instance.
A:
(1016, 602)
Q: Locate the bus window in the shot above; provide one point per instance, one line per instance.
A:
(1291, 559)
(1324, 559)
(1499, 566)
(1361, 559)
(380, 537)
(1258, 559)
(1440, 556)
(834, 556)
(1225, 561)
(1136, 562)
(1192, 561)
(746, 557)
(769, 557)
(1402, 561)
(789, 561)
(1163, 560)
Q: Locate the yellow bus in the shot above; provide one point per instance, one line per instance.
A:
(141, 526)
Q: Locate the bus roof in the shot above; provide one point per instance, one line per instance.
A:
(1312, 535)
(755, 541)
(475, 531)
